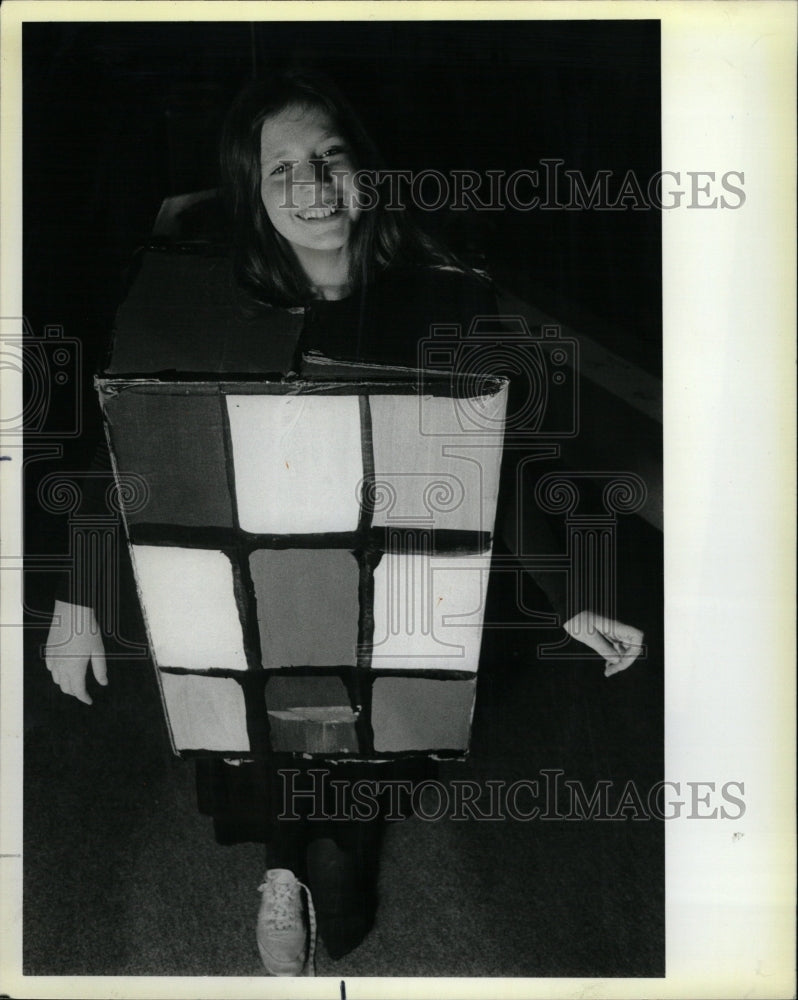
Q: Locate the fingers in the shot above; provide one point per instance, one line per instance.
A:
(617, 643)
(77, 688)
(69, 673)
(602, 645)
(98, 662)
(615, 629)
(628, 642)
(626, 634)
(628, 657)
(74, 641)
(585, 630)
(70, 676)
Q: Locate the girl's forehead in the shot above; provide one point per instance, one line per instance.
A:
(295, 123)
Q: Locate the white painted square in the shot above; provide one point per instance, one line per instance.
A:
(477, 417)
(189, 605)
(205, 713)
(428, 611)
(298, 462)
(427, 471)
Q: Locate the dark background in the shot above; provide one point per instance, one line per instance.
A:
(118, 117)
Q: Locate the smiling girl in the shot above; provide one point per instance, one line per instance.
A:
(370, 283)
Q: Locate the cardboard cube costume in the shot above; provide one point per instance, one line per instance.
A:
(311, 552)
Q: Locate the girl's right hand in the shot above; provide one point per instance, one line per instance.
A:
(73, 641)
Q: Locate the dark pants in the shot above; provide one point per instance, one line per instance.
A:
(310, 828)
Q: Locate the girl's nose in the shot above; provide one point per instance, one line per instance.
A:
(322, 170)
(311, 183)
(313, 171)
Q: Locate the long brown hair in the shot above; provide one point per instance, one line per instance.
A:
(264, 263)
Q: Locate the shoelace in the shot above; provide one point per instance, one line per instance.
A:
(283, 915)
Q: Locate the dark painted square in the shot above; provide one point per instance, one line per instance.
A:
(175, 443)
(308, 606)
(418, 713)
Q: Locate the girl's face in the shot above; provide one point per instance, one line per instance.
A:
(307, 184)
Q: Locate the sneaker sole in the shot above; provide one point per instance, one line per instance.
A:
(282, 968)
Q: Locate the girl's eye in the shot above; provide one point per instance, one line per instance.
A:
(333, 151)
(280, 168)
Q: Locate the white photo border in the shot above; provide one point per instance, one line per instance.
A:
(728, 103)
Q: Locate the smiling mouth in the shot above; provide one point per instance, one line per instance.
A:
(322, 212)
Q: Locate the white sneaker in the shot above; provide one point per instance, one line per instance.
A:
(282, 931)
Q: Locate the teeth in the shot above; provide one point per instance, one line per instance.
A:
(318, 213)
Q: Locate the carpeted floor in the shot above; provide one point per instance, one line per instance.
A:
(122, 875)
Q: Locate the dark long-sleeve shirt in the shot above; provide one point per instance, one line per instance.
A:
(185, 313)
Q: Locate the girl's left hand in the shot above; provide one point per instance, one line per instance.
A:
(619, 644)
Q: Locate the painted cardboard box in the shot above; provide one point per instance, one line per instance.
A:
(311, 557)
(311, 548)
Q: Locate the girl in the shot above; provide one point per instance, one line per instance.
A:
(306, 233)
